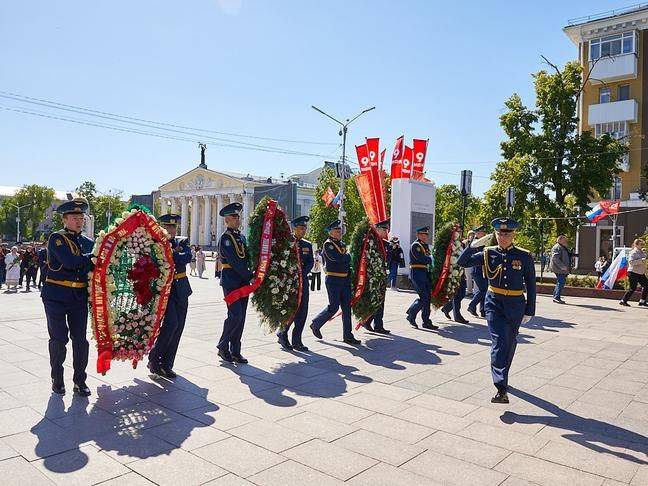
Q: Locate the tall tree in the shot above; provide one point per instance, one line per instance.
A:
(106, 208)
(321, 215)
(36, 200)
(564, 168)
(449, 204)
(88, 190)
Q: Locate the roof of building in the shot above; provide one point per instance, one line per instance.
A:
(608, 14)
(9, 191)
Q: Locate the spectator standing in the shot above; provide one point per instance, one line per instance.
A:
(3, 270)
(42, 264)
(560, 264)
(396, 259)
(200, 261)
(12, 266)
(599, 265)
(637, 273)
(316, 272)
(31, 268)
(192, 264)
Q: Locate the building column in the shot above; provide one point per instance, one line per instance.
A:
(163, 205)
(247, 201)
(206, 240)
(174, 205)
(184, 222)
(219, 219)
(195, 220)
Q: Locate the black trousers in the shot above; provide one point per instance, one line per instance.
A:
(635, 279)
(316, 277)
(166, 345)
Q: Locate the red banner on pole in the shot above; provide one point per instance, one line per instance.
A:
(406, 171)
(382, 159)
(373, 149)
(328, 196)
(265, 245)
(419, 151)
(397, 158)
(363, 158)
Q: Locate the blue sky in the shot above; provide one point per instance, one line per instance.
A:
(437, 70)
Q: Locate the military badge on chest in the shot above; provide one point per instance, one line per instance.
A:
(516, 265)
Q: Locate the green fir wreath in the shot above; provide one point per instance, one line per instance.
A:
(277, 297)
(373, 294)
(442, 239)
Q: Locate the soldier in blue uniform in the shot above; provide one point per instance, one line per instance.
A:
(65, 295)
(509, 270)
(338, 284)
(382, 228)
(420, 260)
(235, 264)
(162, 356)
(480, 282)
(307, 260)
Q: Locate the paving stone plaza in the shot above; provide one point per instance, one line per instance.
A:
(412, 408)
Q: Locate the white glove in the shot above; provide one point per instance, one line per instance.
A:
(526, 319)
(481, 241)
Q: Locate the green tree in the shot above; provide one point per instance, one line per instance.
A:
(321, 215)
(448, 207)
(562, 169)
(36, 201)
(88, 190)
(106, 208)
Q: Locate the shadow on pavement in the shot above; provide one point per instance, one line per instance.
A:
(597, 307)
(121, 420)
(591, 433)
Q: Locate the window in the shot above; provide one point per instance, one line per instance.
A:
(615, 130)
(623, 92)
(605, 95)
(612, 45)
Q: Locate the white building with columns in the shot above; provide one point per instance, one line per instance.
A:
(199, 195)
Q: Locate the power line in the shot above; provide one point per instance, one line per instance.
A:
(56, 105)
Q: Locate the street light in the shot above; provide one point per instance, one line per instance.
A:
(18, 219)
(343, 134)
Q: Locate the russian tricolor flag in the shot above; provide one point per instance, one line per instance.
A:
(597, 213)
(618, 270)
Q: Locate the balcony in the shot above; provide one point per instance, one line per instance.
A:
(616, 111)
(615, 68)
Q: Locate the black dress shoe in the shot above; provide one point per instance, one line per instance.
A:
(412, 322)
(300, 347)
(316, 332)
(381, 330)
(624, 304)
(82, 390)
(368, 327)
(472, 312)
(237, 358)
(461, 320)
(500, 397)
(447, 314)
(169, 373)
(429, 325)
(225, 356)
(352, 340)
(283, 340)
(58, 388)
(643, 304)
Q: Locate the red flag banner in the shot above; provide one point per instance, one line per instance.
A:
(382, 159)
(419, 151)
(363, 158)
(265, 245)
(366, 193)
(328, 196)
(610, 207)
(397, 159)
(406, 171)
(373, 149)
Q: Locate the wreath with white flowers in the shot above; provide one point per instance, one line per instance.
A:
(277, 297)
(369, 272)
(445, 273)
(129, 287)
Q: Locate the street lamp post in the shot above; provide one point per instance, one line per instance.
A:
(18, 219)
(343, 134)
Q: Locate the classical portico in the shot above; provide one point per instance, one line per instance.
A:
(199, 195)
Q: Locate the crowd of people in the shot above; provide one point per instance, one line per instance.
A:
(23, 264)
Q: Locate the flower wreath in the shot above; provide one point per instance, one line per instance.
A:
(129, 287)
(368, 271)
(279, 293)
(445, 271)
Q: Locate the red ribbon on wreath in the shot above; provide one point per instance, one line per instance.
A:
(445, 270)
(265, 247)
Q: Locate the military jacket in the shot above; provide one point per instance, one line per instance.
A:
(181, 257)
(336, 258)
(68, 264)
(306, 254)
(235, 259)
(420, 259)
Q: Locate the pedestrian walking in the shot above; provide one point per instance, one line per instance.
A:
(200, 261)
(420, 261)
(316, 272)
(480, 282)
(396, 260)
(560, 265)
(637, 273)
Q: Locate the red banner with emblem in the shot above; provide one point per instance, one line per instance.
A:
(265, 245)
(419, 151)
(406, 171)
(328, 196)
(397, 158)
(363, 158)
